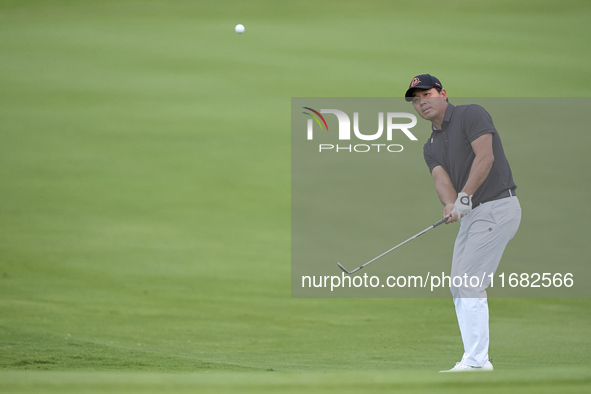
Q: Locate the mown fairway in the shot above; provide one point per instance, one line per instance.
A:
(145, 194)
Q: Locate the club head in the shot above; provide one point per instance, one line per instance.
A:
(343, 268)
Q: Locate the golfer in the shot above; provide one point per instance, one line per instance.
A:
(475, 185)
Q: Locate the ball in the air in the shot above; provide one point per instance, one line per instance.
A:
(239, 29)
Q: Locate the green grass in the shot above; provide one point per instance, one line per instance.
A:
(547, 380)
(145, 194)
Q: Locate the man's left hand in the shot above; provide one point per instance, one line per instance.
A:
(463, 204)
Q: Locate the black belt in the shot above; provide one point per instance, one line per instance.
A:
(504, 194)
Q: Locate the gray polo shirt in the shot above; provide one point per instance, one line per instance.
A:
(451, 148)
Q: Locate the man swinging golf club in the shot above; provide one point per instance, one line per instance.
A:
(475, 185)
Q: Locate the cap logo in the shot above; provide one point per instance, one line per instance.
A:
(415, 82)
(437, 83)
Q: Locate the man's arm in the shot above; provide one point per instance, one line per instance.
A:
(483, 149)
(446, 192)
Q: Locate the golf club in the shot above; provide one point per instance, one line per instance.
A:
(395, 247)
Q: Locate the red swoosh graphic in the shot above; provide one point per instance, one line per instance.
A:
(318, 113)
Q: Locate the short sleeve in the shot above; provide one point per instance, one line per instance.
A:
(429, 158)
(477, 122)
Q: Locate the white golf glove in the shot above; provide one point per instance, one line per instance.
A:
(463, 205)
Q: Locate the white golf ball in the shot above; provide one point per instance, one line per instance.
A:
(239, 29)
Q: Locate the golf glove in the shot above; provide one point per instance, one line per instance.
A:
(463, 205)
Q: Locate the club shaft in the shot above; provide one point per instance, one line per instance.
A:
(400, 244)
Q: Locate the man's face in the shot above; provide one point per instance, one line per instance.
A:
(430, 104)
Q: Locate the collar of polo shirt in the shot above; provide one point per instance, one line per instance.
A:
(446, 118)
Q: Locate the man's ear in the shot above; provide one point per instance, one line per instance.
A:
(443, 93)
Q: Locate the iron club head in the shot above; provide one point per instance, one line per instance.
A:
(343, 268)
(347, 271)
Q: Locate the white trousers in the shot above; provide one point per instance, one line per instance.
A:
(481, 241)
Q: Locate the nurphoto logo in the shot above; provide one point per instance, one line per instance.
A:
(344, 130)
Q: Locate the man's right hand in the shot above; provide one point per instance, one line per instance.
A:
(447, 213)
